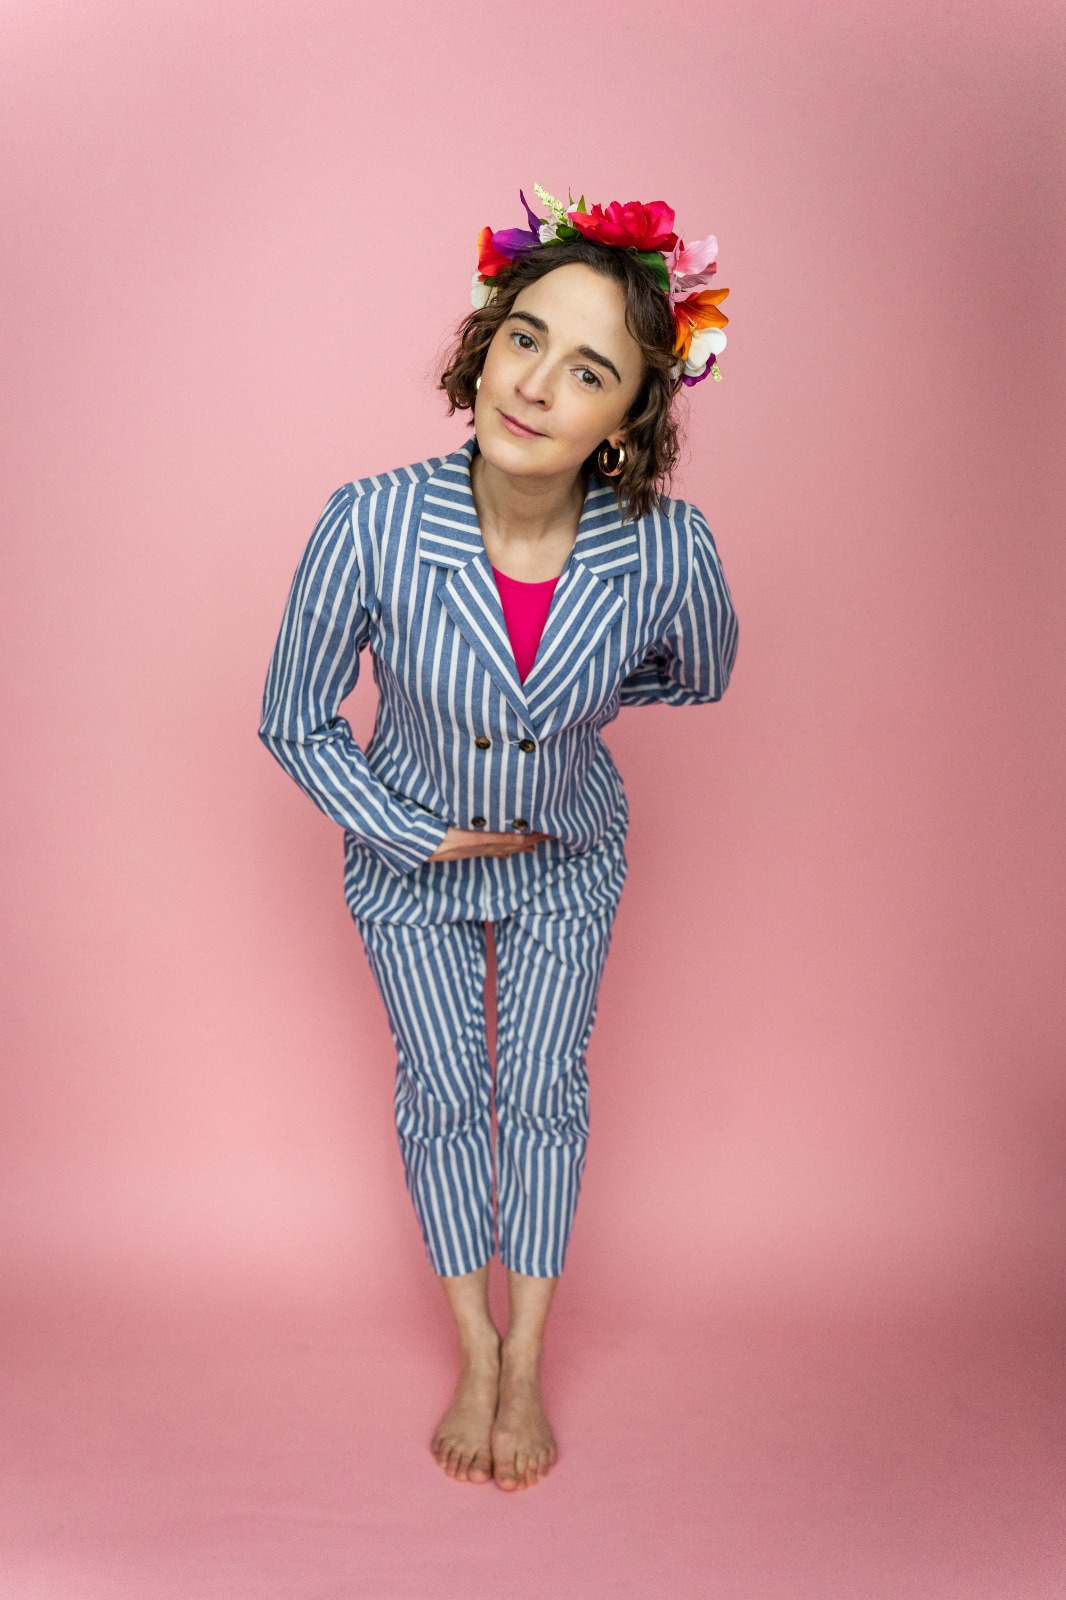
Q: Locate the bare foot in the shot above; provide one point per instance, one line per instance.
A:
(462, 1441)
(523, 1445)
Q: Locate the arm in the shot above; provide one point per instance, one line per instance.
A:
(693, 661)
(314, 666)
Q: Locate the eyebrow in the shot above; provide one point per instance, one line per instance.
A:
(585, 350)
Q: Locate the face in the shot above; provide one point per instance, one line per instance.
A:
(563, 364)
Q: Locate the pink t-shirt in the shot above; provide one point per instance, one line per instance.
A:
(525, 611)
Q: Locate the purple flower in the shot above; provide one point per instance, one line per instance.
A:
(534, 220)
(511, 242)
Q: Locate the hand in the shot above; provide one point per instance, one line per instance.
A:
(459, 842)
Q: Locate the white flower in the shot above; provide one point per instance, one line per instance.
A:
(480, 293)
(705, 342)
(548, 231)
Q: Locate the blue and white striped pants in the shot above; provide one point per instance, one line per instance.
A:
(432, 978)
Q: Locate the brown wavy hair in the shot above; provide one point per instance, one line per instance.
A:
(653, 437)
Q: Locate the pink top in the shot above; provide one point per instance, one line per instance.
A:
(525, 611)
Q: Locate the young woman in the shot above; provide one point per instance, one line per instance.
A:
(514, 594)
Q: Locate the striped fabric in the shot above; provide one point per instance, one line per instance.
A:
(641, 614)
(432, 981)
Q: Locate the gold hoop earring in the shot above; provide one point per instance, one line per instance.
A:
(478, 383)
(611, 472)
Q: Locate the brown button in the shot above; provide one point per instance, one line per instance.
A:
(527, 744)
(481, 742)
(520, 824)
(477, 822)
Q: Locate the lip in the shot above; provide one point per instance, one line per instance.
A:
(519, 428)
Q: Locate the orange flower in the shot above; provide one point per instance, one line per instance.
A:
(700, 310)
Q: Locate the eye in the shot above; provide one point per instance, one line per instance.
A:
(595, 380)
(519, 334)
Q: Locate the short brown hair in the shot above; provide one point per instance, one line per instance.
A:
(652, 444)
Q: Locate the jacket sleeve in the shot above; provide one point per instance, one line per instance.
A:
(693, 661)
(315, 664)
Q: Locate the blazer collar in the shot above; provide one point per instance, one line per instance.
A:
(584, 606)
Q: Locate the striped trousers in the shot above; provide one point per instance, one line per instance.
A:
(432, 979)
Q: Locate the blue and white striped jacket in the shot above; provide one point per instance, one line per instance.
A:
(641, 614)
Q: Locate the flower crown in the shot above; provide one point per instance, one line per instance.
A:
(680, 270)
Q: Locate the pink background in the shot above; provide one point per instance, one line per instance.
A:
(805, 1339)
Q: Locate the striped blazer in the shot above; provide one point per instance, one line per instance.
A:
(641, 614)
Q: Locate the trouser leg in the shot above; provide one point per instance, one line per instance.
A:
(548, 973)
(432, 981)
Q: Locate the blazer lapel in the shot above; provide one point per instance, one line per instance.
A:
(449, 535)
(584, 609)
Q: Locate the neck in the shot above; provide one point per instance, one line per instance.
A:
(528, 508)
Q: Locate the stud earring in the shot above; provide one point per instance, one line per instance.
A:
(611, 472)
(478, 383)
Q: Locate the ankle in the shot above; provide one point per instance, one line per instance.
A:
(521, 1354)
(480, 1348)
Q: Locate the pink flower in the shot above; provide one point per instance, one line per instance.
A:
(692, 266)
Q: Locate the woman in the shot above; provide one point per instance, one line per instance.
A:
(514, 594)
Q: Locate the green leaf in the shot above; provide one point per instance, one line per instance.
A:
(654, 261)
(581, 206)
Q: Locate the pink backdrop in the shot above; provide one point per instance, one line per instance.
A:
(827, 1067)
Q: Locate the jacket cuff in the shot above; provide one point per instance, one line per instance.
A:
(422, 834)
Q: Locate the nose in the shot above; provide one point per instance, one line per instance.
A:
(535, 385)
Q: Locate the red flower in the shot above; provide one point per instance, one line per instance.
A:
(489, 259)
(645, 227)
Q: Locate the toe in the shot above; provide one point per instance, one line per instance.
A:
(480, 1468)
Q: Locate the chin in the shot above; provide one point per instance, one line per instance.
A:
(505, 449)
